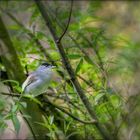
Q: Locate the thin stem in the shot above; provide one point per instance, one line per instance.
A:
(67, 100)
(69, 114)
(90, 84)
(67, 23)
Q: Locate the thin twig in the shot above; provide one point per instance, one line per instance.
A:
(60, 38)
(67, 100)
(10, 94)
(90, 84)
(69, 114)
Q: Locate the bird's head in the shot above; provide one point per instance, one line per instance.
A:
(45, 66)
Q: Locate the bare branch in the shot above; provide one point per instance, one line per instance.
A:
(67, 23)
(10, 94)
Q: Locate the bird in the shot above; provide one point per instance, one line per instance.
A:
(38, 81)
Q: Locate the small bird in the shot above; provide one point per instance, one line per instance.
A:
(38, 81)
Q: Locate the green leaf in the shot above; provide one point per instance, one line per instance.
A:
(3, 126)
(98, 97)
(12, 81)
(45, 120)
(102, 108)
(42, 124)
(115, 101)
(14, 108)
(40, 35)
(74, 56)
(14, 27)
(27, 116)
(88, 60)
(49, 135)
(79, 66)
(74, 27)
(35, 14)
(15, 84)
(67, 126)
(51, 119)
(23, 104)
(33, 99)
(16, 123)
(72, 134)
(2, 104)
(8, 116)
(18, 89)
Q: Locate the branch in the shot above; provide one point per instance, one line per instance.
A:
(67, 23)
(89, 83)
(61, 109)
(48, 94)
(68, 101)
(11, 94)
(69, 114)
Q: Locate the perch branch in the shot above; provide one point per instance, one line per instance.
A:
(60, 108)
(67, 23)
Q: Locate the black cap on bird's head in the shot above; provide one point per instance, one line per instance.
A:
(47, 65)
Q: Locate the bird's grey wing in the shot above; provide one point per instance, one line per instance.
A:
(30, 79)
